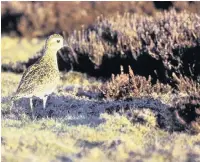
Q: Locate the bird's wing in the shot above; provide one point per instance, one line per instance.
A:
(30, 70)
(28, 79)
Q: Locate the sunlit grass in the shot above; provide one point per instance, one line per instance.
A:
(115, 139)
(19, 49)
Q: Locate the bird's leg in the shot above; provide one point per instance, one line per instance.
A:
(44, 101)
(11, 106)
(31, 106)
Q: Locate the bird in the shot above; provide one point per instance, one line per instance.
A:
(41, 78)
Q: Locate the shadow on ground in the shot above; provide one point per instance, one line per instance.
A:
(86, 111)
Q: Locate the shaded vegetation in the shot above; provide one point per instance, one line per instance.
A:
(187, 112)
(156, 46)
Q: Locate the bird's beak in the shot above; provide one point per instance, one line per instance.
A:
(64, 43)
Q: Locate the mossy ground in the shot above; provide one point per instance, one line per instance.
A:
(101, 137)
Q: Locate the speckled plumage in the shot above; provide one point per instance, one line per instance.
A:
(41, 78)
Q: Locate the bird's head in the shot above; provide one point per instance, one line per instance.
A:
(54, 42)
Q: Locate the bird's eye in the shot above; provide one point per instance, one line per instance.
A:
(58, 41)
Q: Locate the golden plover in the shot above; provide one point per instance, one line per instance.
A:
(41, 79)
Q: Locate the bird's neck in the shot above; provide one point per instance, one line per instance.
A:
(51, 50)
(51, 56)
